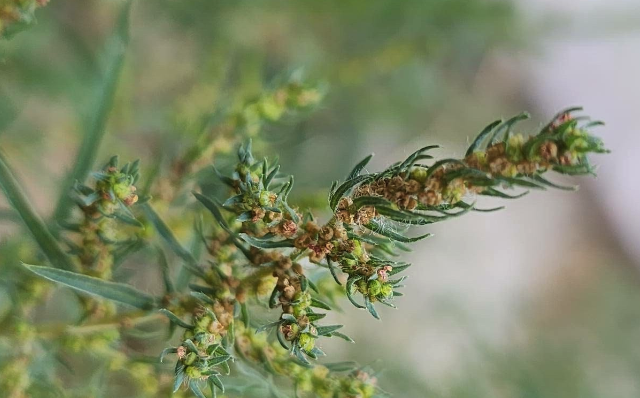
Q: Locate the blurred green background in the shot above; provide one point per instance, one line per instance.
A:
(540, 300)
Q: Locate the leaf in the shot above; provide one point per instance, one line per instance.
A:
(346, 366)
(179, 376)
(398, 267)
(544, 181)
(164, 267)
(265, 244)
(344, 188)
(559, 115)
(506, 126)
(375, 201)
(119, 292)
(213, 208)
(520, 182)
(333, 271)
(171, 240)
(18, 199)
(326, 330)
(202, 297)
(215, 381)
(342, 336)
(379, 228)
(483, 134)
(115, 53)
(408, 163)
(319, 304)
(499, 194)
(349, 288)
(218, 360)
(175, 319)
(228, 181)
(268, 326)
(244, 314)
(370, 307)
(434, 167)
(358, 168)
(271, 176)
(167, 351)
(195, 388)
(465, 206)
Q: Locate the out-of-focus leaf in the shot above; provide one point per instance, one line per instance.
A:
(31, 219)
(119, 292)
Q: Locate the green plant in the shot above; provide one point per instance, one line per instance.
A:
(261, 249)
(228, 245)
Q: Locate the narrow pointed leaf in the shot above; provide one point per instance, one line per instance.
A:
(175, 319)
(118, 292)
(18, 199)
(359, 167)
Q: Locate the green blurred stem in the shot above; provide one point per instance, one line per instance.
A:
(88, 151)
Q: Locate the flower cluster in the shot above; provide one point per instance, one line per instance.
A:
(203, 352)
(105, 206)
(324, 381)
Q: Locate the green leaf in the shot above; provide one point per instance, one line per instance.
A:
(195, 388)
(544, 181)
(175, 319)
(499, 194)
(333, 271)
(88, 151)
(358, 168)
(475, 145)
(203, 297)
(166, 273)
(344, 188)
(218, 360)
(319, 304)
(349, 292)
(215, 381)
(171, 240)
(346, 366)
(379, 228)
(342, 336)
(265, 244)
(18, 199)
(326, 330)
(370, 307)
(506, 126)
(179, 376)
(215, 211)
(511, 181)
(119, 292)
(167, 351)
(409, 161)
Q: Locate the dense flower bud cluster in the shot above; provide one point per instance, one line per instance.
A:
(318, 380)
(104, 207)
(561, 146)
(203, 353)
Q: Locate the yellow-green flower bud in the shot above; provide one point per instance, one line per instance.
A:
(192, 372)
(374, 287)
(190, 358)
(386, 290)
(307, 342)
